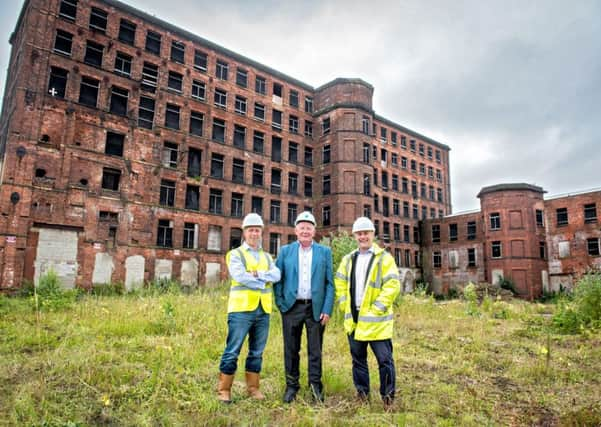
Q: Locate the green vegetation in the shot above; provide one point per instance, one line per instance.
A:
(582, 309)
(151, 358)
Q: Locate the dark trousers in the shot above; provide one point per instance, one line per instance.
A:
(383, 351)
(301, 314)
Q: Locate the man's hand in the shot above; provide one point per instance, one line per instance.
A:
(324, 318)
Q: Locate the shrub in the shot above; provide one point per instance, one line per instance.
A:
(471, 297)
(341, 244)
(584, 309)
(108, 289)
(50, 295)
(507, 283)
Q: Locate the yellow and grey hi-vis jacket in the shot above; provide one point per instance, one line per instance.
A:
(244, 298)
(375, 317)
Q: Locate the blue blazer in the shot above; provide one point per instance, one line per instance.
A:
(322, 286)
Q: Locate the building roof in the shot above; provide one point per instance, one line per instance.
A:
(521, 186)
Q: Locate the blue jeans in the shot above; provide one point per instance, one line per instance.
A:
(383, 351)
(255, 324)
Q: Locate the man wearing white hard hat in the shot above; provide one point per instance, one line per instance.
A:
(252, 272)
(305, 296)
(367, 283)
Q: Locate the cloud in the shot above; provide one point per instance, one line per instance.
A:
(512, 87)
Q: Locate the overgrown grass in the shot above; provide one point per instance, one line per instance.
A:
(151, 358)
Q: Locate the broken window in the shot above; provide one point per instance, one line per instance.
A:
(221, 69)
(165, 233)
(167, 193)
(260, 85)
(198, 90)
(200, 60)
(219, 130)
(276, 148)
(220, 98)
(452, 232)
(435, 233)
(114, 144)
(325, 185)
(308, 156)
(57, 85)
(177, 51)
(277, 89)
(93, 54)
(196, 123)
(123, 64)
(150, 77)
(308, 104)
(240, 105)
(495, 221)
(153, 42)
(276, 119)
(258, 141)
(172, 116)
(274, 243)
(238, 171)
(194, 162)
(110, 179)
(63, 42)
(293, 152)
(192, 197)
(241, 77)
(325, 126)
(293, 98)
(118, 103)
(275, 212)
(257, 175)
(259, 111)
(237, 205)
(496, 249)
(214, 238)
(308, 186)
(593, 246)
(175, 81)
(190, 236)
(257, 205)
(235, 238)
(471, 230)
(216, 165)
(590, 213)
(88, 91)
(127, 32)
(562, 216)
(292, 212)
(170, 155)
(436, 259)
(68, 9)
(146, 112)
(325, 216)
(216, 201)
(239, 136)
(308, 128)
(276, 181)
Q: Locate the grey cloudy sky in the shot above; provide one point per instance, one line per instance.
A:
(513, 87)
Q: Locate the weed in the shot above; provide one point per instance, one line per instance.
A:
(49, 294)
(583, 310)
(471, 298)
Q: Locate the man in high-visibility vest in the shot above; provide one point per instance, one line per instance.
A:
(252, 272)
(367, 283)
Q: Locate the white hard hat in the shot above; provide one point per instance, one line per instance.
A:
(305, 217)
(252, 220)
(363, 224)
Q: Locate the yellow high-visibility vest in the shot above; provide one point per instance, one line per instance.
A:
(375, 317)
(243, 298)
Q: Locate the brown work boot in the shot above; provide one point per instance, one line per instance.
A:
(252, 386)
(224, 388)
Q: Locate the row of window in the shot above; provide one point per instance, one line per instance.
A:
(589, 211)
(425, 191)
(453, 258)
(420, 148)
(405, 163)
(118, 104)
(177, 53)
(453, 232)
(408, 211)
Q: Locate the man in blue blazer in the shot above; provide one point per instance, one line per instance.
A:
(305, 296)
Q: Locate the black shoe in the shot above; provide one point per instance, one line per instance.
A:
(388, 402)
(317, 392)
(289, 394)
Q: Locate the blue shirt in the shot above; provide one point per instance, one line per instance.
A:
(239, 274)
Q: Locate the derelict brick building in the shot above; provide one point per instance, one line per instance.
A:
(130, 150)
